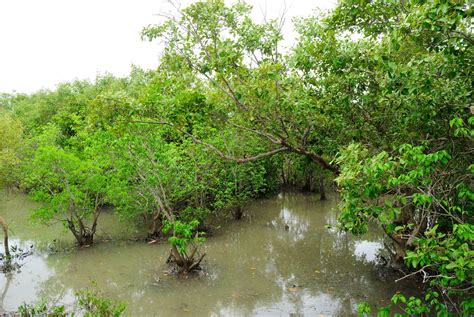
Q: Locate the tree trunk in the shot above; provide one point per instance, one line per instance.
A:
(322, 190)
(238, 213)
(308, 185)
(154, 225)
(186, 262)
(88, 240)
(85, 240)
(177, 257)
(83, 236)
(4, 226)
(399, 245)
(152, 229)
(400, 248)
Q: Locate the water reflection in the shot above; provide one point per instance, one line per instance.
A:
(367, 250)
(280, 260)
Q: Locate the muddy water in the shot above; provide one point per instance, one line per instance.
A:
(279, 260)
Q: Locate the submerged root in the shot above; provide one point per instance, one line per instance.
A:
(184, 263)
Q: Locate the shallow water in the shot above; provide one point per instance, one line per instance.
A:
(279, 260)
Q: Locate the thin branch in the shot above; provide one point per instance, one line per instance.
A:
(215, 149)
(422, 270)
(266, 135)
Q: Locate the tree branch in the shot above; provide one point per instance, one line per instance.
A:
(214, 148)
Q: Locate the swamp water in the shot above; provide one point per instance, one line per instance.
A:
(279, 260)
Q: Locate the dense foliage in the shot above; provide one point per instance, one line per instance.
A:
(10, 143)
(374, 94)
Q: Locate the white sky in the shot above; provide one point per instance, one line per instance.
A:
(45, 42)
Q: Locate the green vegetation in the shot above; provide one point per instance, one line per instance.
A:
(183, 237)
(89, 301)
(10, 144)
(376, 95)
(73, 187)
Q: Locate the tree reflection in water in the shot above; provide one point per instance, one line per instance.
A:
(280, 259)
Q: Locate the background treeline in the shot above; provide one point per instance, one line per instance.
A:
(376, 95)
(82, 147)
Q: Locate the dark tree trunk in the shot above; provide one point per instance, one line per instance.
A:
(185, 262)
(83, 236)
(399, 247)
(403, 241)
(154, 228)
(85, 240)
(88, 240)
(4, 226)
(237, 212)
(322, 190)
(308, 185)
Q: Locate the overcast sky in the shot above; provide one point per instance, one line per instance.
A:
(45, 42)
